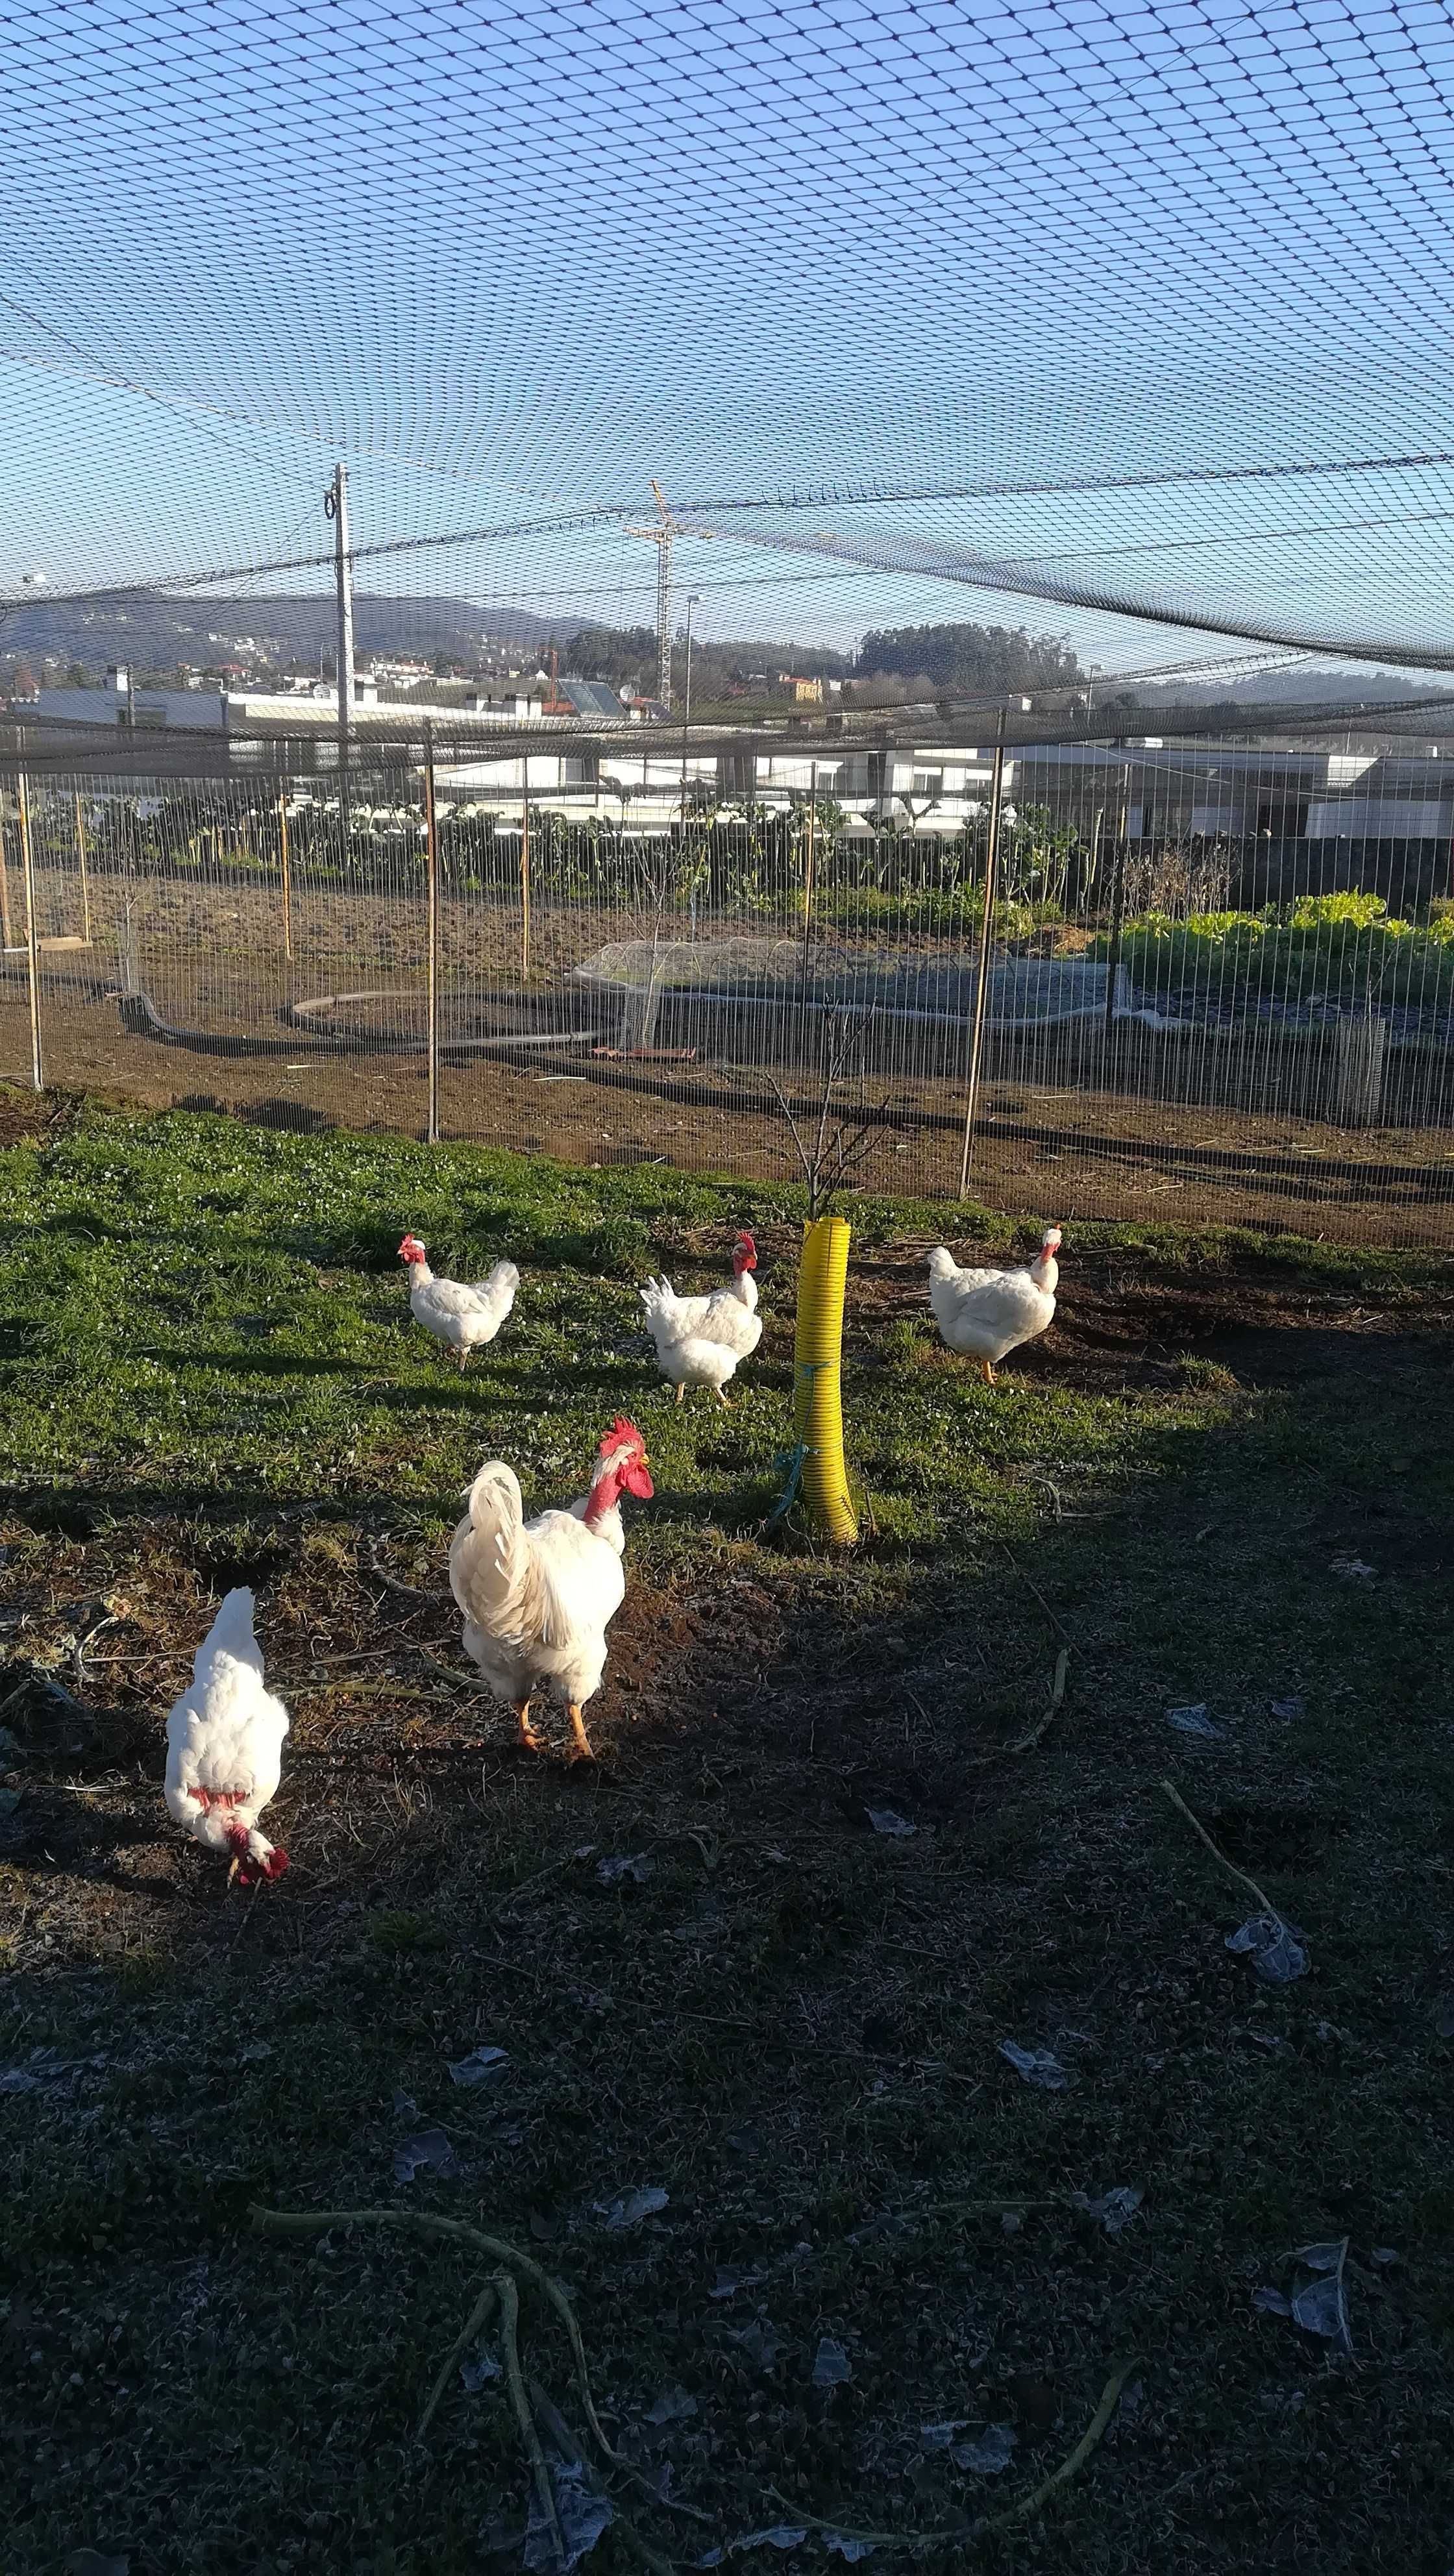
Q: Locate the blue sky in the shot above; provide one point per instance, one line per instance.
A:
(515, 265)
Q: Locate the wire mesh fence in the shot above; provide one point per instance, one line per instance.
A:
(1218, 985)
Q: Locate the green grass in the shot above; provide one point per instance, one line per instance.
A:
(208, 1373)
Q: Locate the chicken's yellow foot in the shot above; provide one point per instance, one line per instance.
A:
(528, 1735)
(581, 1746)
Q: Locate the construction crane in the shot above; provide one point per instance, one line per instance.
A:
(661, 537)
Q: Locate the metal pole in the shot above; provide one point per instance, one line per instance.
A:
(986, 933)
(287, 873)
(525, 867)
(32, 940)
(431, 870)
(1118, 899)
(336, 504)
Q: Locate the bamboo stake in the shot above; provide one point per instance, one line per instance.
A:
(986, 933)
(287, 874)
(431, 863)
(85, 873)
(525, 871)
(7, 927)
(32, 940)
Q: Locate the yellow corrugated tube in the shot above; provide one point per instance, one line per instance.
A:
(818, 1379)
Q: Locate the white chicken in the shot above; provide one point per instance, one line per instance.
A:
(538, 1596)
(225, 1746)
(699, 1340)
(989, 1312)
(461, 1314)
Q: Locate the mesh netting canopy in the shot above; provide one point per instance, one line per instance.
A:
(912, 313)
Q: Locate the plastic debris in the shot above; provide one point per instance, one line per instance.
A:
(18, 2079)
(937, 2437)
(431, 2152)
(1192, 1720)
(633, 1865)
(843, 2545)
(478, 2067)
(1383, 2254)
(481, 2367)
(1276, 1954)
(729, 2281)
(831, 2365)
(759, 2342)
(673, 2406)
(1115, 2208)
(1352, 1569)
(1289, 1707)
(1322, 2309)
(1037, 2065)
(992, 2452)
(778, 2535)
(886, 1820)
(632, 2207)
(584, 2511)
(1320, 2306)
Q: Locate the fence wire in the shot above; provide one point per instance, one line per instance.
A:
(1219, 984)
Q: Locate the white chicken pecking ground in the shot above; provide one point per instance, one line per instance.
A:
(988, 1313)
(463, 1314)
(700, 1340)
(225, 1746)
(538, 1596)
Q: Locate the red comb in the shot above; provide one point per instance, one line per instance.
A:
(620, 1430)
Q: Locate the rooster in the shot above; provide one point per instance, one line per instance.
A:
(699, 1340)
(460, 1315)
(989, 1312)
(538, 1596)
(225, 1746)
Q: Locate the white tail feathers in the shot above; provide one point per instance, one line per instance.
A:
(503, 1281)
(662, 1309)
(231, 1633)
(494, 1573)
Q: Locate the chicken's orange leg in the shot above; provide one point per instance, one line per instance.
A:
(989, 1375)
(581, 1748)
(681, 1390)
(723, 1400)
(528, 1735)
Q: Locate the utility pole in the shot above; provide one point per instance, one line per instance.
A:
(335, 502)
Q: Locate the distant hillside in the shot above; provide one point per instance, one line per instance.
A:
(156, 633)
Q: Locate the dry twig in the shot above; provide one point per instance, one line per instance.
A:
(961, 2534)
(1023, 1743)
(1264, 1902)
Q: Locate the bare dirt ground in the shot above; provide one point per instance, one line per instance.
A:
(211, 958)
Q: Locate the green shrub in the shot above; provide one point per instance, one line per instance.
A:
(1342, 948)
